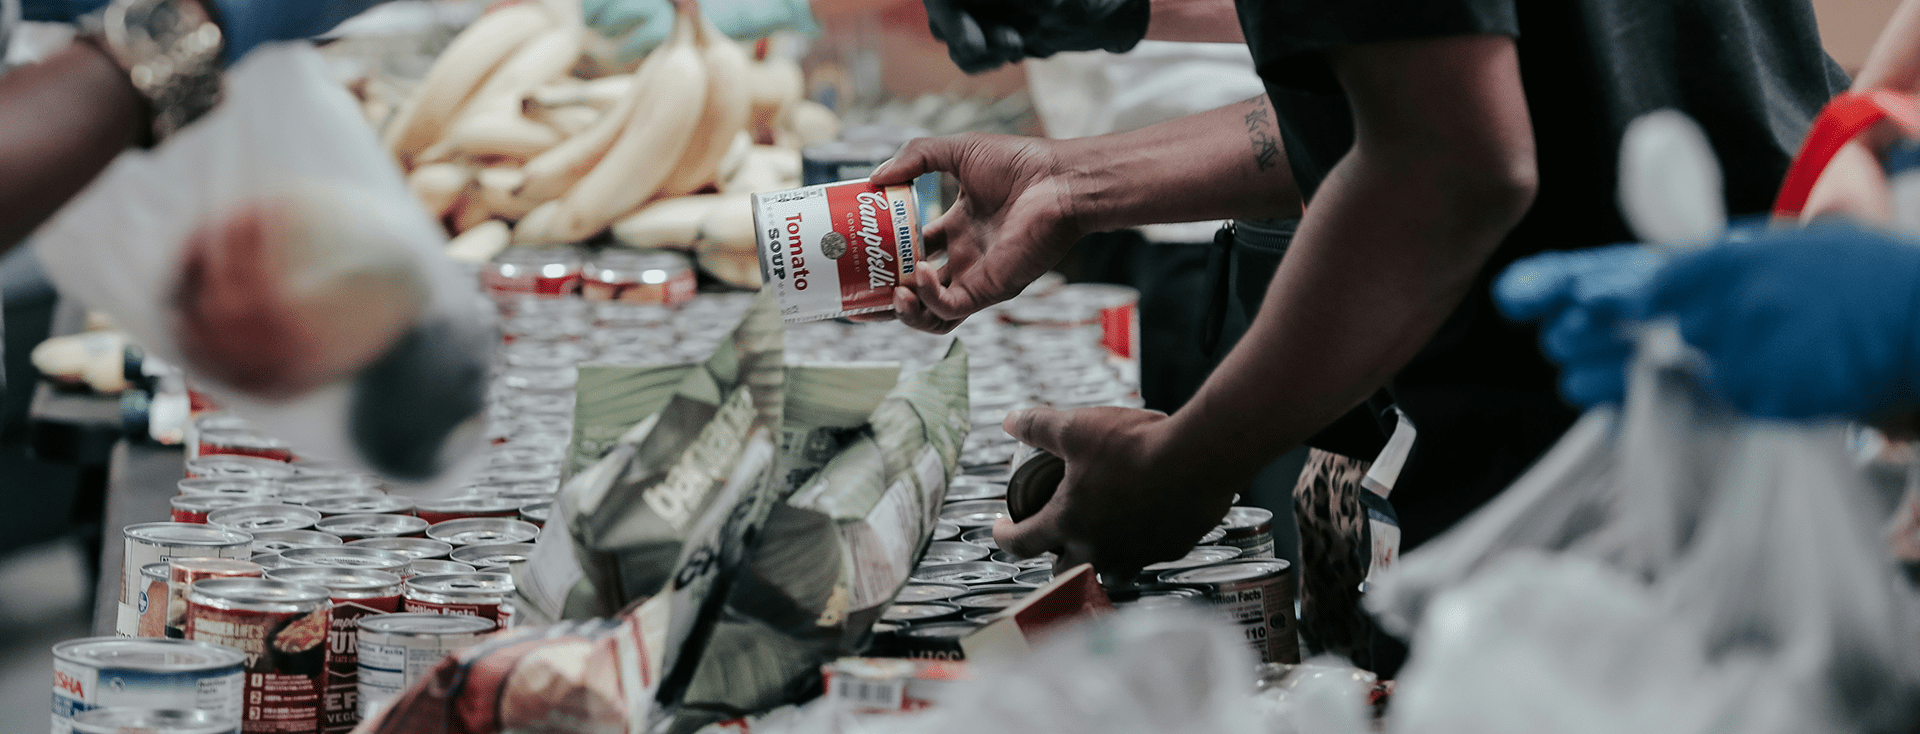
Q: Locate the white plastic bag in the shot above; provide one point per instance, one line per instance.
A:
(1669, 567)
(286, 129)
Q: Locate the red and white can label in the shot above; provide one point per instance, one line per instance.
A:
(500, 612)
(1120, 330)
(837, 249)
(340, 700)
(285, 668)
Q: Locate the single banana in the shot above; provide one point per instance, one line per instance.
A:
(497, 185)
(492, 123)
(569, 120)
(655, 134)
(774, 83)
(728, 104)
(460, 70)
(479, 244)
(672, 223)
(438, 185)
(600, 93)
(552, 173)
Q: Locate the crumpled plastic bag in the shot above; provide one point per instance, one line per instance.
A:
(287, 136)
(1668, 566)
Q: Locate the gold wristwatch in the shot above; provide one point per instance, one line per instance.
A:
(171, 50)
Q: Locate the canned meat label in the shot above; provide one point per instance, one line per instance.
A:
(285, 663)
(836, 249)
(147, 675)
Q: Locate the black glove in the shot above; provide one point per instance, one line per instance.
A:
(983, 34)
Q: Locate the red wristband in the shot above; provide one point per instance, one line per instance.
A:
(1844, 118)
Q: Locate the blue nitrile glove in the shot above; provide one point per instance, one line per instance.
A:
(640, 25)
(1801, 323)
(1583, 299)
(983, 34)
(245, 24)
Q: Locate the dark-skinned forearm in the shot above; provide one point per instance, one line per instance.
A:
(1390, 246)
(61, 122)
(1221, 164)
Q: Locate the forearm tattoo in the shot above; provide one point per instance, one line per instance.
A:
(1260, 133)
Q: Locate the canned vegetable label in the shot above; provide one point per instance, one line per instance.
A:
(356, 595)
(103, 672)
(836, 249)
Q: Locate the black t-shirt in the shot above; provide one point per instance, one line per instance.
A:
(1751, 72)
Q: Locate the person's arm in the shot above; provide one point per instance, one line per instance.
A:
(1442, 167)
(1854, 183)
(61, 122)
(1199, 21)
(1025, 201)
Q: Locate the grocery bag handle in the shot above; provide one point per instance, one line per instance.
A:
(1844, 118)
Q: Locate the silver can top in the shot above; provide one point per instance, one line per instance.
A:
(415, 548)
(182, 533)
(1228, 572)
(258, 591)
(483, 531)
(118, 720)
(250, 518)
(139, 653)
(415, 623)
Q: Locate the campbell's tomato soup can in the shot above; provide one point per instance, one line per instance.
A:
(484, 595)
(359, 527)
(454, 508)
(193, 508)
(397, 650)
(221, 466)
(546, 272)
(183, 573)
(152, 604)
(836, 249)
(158, 542)
(356, 594)
(638, 277)
(282, 629)
(98, 673)
(366, 559)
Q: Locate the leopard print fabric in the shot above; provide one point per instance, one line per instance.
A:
(1335, 552)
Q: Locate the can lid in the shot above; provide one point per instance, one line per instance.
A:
(941, 630)
(225, 485)
(415, 623)
(1246, 518)
(415, 548)
(264, 517)
(317, 482)
(970, 573)
(360, 504)
(949, 551)
(258, 591)
(141, 653)
(297, 538)
(917, 612)
(996, 596)
(1213, 537)
(481, 582)
(468, 504)
(1230, 571)
(1044, 560)
(336, 578)
(182, 533)
(210, 502)
(371, 524)
(1201, 555)
(982, 537)
(433, 566)
(213, 565)
(975, 513)
(493, 554)
(343, 557)
(157, 571)
(483, 531)
(917, 593)
(1036, 578)
(943, 530)
(119, 720)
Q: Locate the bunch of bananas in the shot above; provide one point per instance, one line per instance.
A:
(516, 135)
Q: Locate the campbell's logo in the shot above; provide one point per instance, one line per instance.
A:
(879, 259)
(68, 684)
